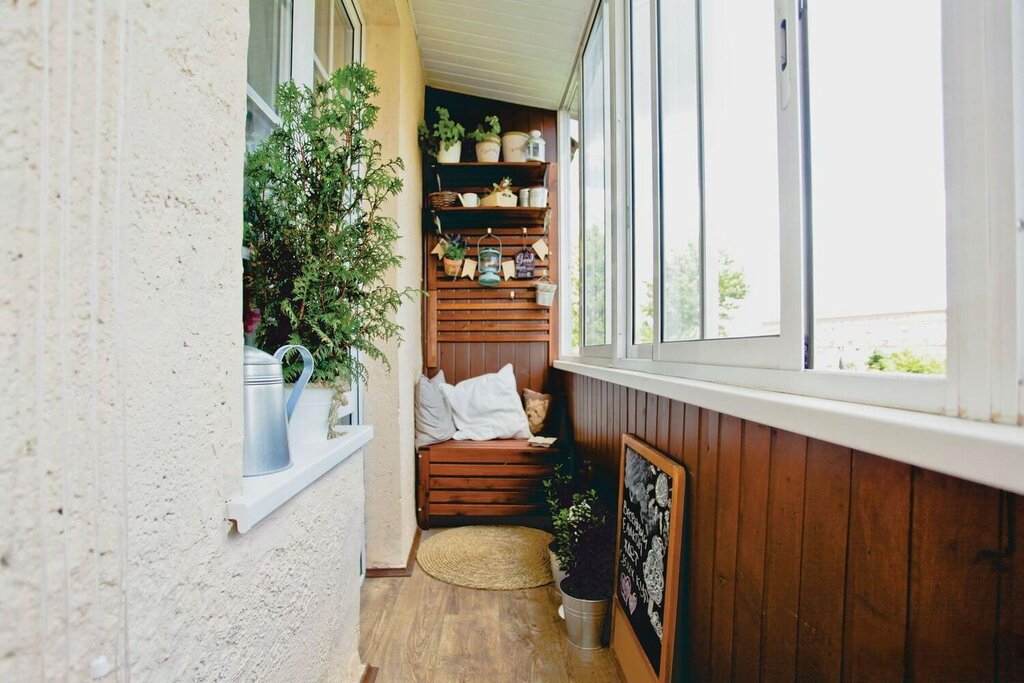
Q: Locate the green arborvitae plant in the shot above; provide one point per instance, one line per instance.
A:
(321, 247)
(494, 131)
(441, 135)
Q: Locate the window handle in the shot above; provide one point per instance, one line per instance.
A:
(783, 56)
(783, 47)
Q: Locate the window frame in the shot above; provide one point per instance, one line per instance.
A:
(985, 375)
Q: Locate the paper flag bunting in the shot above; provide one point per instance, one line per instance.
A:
(439, 249)
(508, 269)
(541, 247)
(468, 268)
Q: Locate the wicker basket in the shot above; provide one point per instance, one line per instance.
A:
(442, 200)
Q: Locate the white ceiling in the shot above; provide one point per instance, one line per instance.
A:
(517, 51)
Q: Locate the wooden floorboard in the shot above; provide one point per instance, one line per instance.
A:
(420, 629)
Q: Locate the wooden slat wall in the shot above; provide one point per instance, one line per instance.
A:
(812, 562)
(470, 330)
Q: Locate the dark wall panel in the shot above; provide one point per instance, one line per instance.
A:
(808, 562)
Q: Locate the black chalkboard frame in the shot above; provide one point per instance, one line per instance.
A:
(630, 654)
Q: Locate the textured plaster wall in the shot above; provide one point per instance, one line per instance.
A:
(392, 50)
(121, 149)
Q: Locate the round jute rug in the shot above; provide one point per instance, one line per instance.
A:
(497, 558)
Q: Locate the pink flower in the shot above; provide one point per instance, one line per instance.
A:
(251, 319)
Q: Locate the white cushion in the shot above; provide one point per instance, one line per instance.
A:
(488, 407)
(434, 422)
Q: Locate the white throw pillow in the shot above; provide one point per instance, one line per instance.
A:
(488, 407)
(434, 422)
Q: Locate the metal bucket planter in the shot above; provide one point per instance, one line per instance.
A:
(584, 621)
(545, 292)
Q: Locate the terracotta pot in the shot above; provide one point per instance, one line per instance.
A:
(452, 267)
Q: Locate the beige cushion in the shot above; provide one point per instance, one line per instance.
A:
(434, 422)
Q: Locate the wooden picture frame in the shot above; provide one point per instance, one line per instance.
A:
(654, 519)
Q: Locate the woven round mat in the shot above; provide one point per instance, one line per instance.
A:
(497, 558)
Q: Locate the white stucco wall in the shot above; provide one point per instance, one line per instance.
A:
(121, 148)
(392, 50)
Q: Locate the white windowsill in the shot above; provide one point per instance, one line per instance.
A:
(262, 495)
(984, 452)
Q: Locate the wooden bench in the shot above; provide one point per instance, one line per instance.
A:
(465, 482)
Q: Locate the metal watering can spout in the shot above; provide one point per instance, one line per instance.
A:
(307, 372)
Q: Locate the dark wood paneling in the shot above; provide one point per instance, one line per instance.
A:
(501, 330)
(808, 562)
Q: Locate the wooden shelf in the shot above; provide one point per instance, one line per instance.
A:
(474, 176)
(491, 217)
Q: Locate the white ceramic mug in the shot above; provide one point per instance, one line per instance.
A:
(539, 196)
(470, 199)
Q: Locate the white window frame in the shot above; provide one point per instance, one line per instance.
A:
(983, 64)
(287, 34)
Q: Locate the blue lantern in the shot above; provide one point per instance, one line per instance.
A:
(489, 261)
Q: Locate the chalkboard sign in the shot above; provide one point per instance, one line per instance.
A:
(651, 492)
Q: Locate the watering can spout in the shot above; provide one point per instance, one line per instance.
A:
(307, 372)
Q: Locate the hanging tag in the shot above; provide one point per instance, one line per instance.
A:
(541, 247)
(508, 269)
(468, 268)
(439, 249)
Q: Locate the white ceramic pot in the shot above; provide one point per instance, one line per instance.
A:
(452, 155)
(309, 419)
(546, 293)
(488, 150)
(513, 146)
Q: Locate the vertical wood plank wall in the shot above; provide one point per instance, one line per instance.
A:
(462, 360)
(812, 562)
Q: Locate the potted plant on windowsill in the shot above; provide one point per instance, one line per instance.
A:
(321, 247)
(443, 140)
(488, 142)
(585, 546)
(454, 253)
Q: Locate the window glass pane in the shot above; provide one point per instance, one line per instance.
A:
(269, 56)
(595, 239)
(877, 187)
(741, 188)
(574, 222)
(343, 37)
(322, 33)
(643, 172)
(680, 172)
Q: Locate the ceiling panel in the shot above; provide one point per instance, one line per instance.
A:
(517, 51)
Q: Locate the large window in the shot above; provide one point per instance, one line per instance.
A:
(815, 200)
(269, 63)
(334, 38)
(596, 173)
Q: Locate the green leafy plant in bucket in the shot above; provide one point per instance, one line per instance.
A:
(493, 132)
(321, 246)
(585, 547)
(441, 135)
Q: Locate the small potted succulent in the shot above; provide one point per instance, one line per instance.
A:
(501, 195)
(444, 139)
(585, 546)
(488, 142)
(454, 253)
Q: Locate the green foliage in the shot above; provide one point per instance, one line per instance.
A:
(682, 295)
(442, 135)
(906, 360)
(455, 248)
(480, 134)
(585, 546)
(559, 489)
(320, 245)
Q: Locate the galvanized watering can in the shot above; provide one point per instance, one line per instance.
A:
(265, 448)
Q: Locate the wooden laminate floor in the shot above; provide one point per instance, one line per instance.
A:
(420, 629)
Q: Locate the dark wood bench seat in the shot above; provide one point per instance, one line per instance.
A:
(466, 482)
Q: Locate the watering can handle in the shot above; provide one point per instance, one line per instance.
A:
(307, 372)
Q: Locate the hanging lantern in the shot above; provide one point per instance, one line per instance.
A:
(489, 261)
(535, 147)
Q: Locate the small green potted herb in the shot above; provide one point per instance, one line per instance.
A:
(454, 253)
(444, 139)
(488, 142)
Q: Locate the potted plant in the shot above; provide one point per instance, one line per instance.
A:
(501, 194)
(558, 492)
(454, 253)
(488, 142)
(585, 546)
(513, 145)
(321, 246)
(444, 140)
